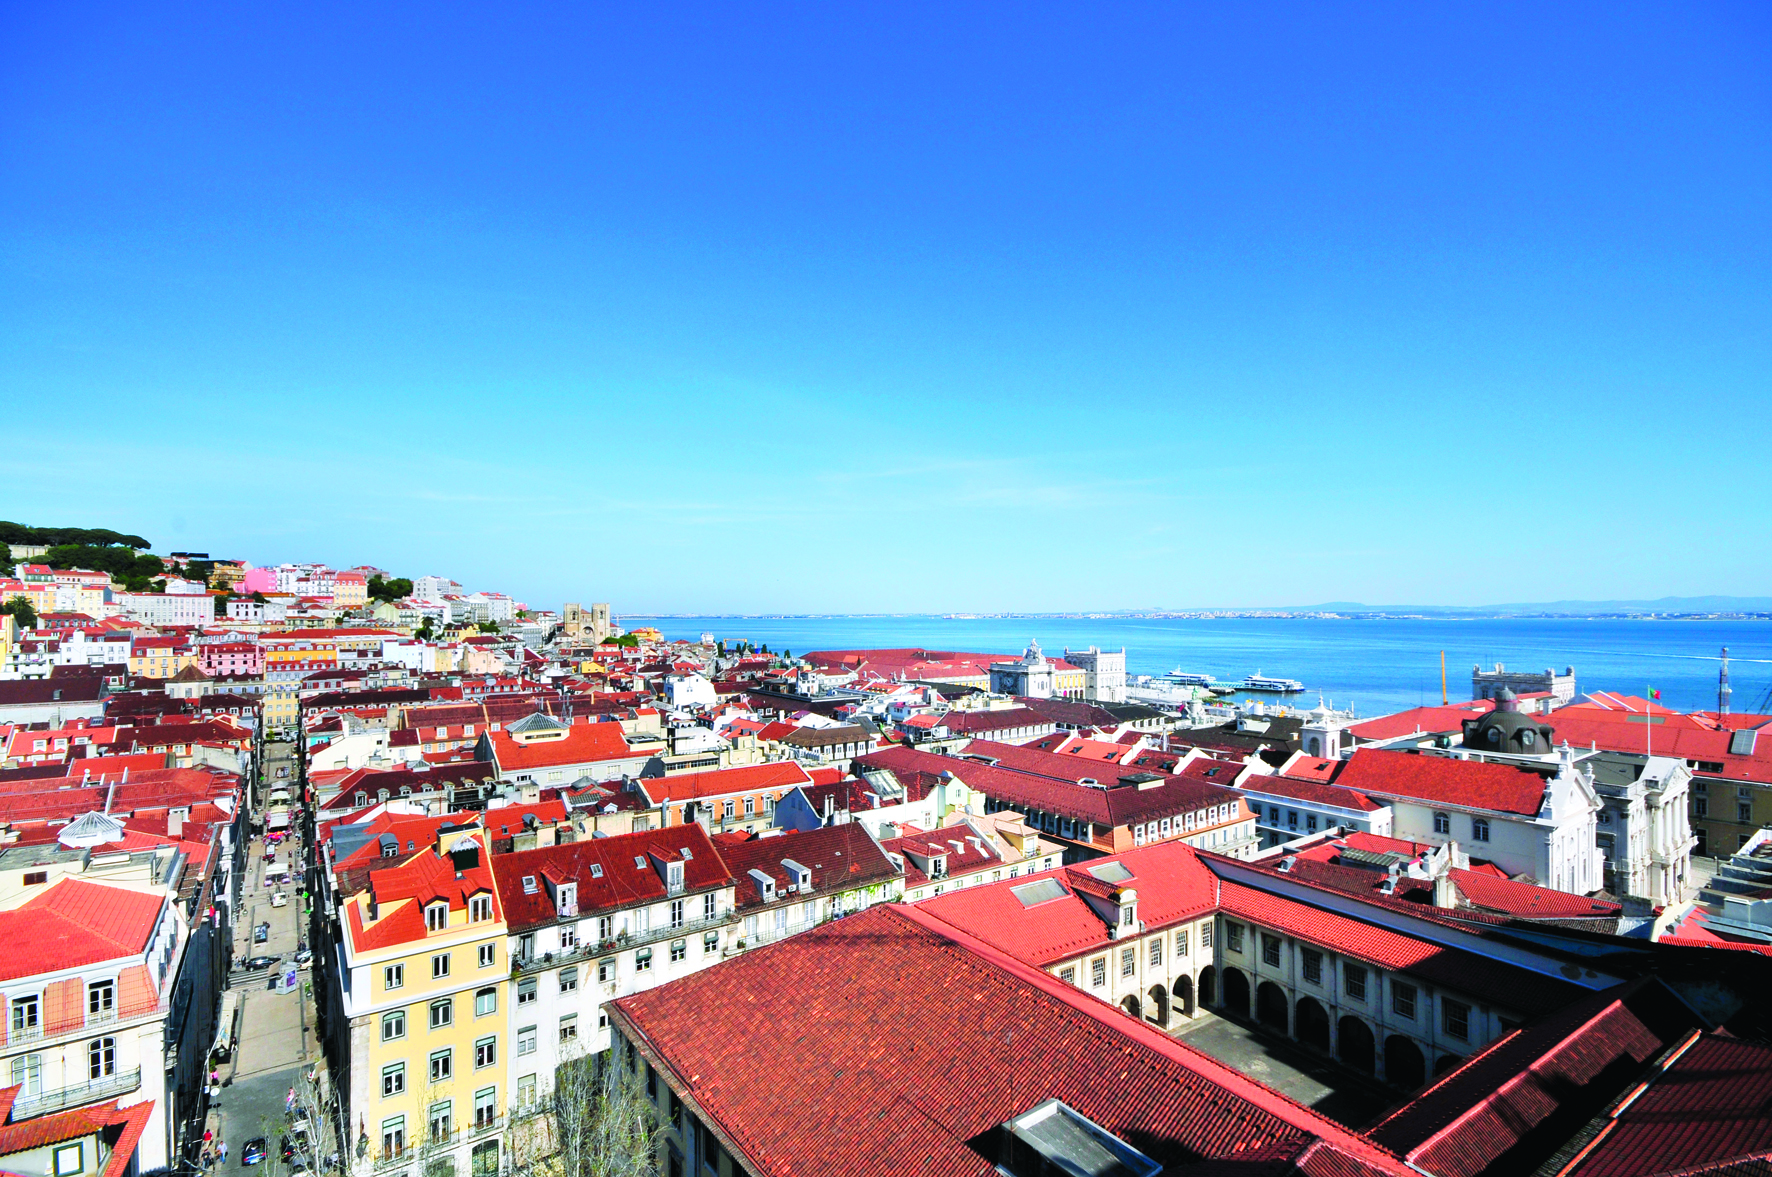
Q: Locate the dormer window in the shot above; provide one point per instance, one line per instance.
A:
(1128, 915)
(566, 899)
(673, 877)
(437, 916)
(480, 908)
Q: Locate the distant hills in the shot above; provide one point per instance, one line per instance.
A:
(1710, 604)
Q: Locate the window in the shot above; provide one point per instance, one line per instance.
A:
(1353, 980)
(393, 1136)
(568, 1027)
(393, 976)
(569, 980)
(1206, 934)
(393, 1080)
(393, 1025)
(439, 966)
(442, 1065)
(480, 908)
(710, 942)
(437, 917)
(101, 999)
(526, 1091)
(485, 1052)
(101, 1058)
(442, 1013)
(1403, 1000)
(1442, 823)
(679, 950)
(643, 960)
(1270, 950)
(1068, 975)
(526, 1041)
(526, 991)
(1479, 829)
(1098, 971)
(676, 913)
(440, 1125)
(710, 905)
(25, 1015)
(27, 1074)
(1157, 952)
(750, 806)
(1180, 944)
(1455, 1018)
(488, 955)
(485, 1107)
(1744, 811)
(569, 938)
(1312, 962)
(606, 970)
(1128, 962)
(1233, 936)
(485, 1002)
(1703, 806)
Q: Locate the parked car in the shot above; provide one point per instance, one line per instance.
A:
(296, 1144)
(261, 933)
(280, 899)
(304, 957)
(253, 964)
(253, 1152)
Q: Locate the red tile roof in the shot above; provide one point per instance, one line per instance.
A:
(1421, 719)
(1713, 1105)
(774, 777)
(1442, 780)
(1122, 805)
(840, 858)
(903, 1040)
(1313, 791)
(1171, 881)
(76, 923)
(1483, 1113)
(1508, 986)
(617, 881)
(120, 1128)
(582, 744)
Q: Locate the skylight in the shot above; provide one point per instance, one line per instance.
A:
(1038, 892)
(596, 870)
(639, 862)
(1111, 872)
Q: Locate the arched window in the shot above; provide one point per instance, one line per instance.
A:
(1479, 829)
(1442, 823)
(1495, 735)
(1528, 738)
(101, 1057)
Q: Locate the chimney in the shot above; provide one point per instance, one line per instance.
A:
(175, 822)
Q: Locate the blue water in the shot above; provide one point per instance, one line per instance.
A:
(1374, 666)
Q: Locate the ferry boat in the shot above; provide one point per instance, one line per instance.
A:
(1184, 678)
(1272, 686)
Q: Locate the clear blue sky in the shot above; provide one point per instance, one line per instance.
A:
(901, 307)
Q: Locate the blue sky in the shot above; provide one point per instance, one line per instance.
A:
(901, 307)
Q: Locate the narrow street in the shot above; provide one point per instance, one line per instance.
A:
(277, 1045)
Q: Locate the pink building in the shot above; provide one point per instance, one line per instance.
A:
(259, 580)
(230, 658)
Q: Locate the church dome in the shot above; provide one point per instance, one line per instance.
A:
(1507, 729)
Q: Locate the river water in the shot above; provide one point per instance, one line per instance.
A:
(1374, 666)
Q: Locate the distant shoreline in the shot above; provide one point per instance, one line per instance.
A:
(1215, 615)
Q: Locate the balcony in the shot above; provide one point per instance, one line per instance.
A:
(591, 951)
(77, 1095)
(486, 1126)
(389, 1158)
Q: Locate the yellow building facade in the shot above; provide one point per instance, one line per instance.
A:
(424, 950)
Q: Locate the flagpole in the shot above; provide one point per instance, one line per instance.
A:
(1649, 721)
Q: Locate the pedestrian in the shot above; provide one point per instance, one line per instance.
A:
(223, 1154)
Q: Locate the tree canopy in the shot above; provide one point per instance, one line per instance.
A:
(389, 590)
(133, 571)
(18, 533)
(22, 612)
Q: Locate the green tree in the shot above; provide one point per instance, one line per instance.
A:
(389, 590)
(424, 632)
(22, 612)
(489, 627)
(592, 1125)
